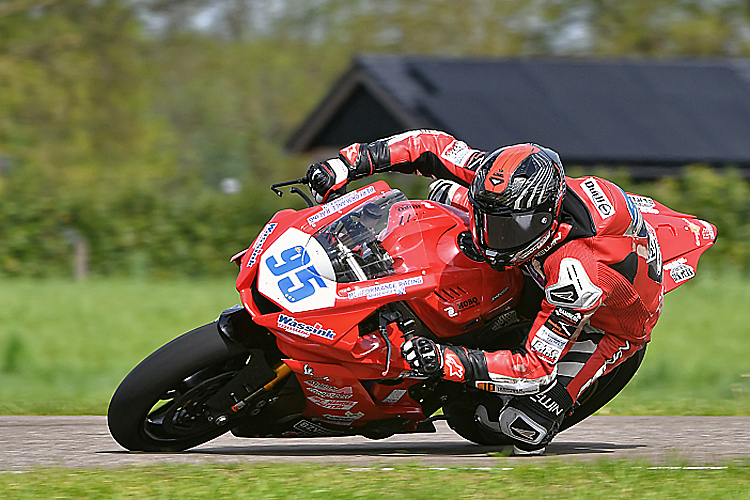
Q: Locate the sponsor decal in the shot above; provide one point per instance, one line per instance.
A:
(598, 198)
(328, 391)
(325, 394)
(312, 429)
(346, 418)
(332, 404)
(509, 317)
(457, 153)
(679, 270)
(500, 388)
(394, 396)
(454, 366)
(548, 404)
(645, 205)
(564, 322)
(409, 207)
(462, 306)
(488, 386)
(695, 229)
(340, 203)
(502, 292)
(468, 304)
(392, 288)
(308, 370)
(570, 316)
(291, 325)
(258, 245)
(708, 231)
(548, 344)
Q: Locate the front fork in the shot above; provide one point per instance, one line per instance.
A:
(256, 379)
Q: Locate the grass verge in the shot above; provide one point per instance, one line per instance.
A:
(610, 480)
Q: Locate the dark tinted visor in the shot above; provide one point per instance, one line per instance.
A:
(505, 232)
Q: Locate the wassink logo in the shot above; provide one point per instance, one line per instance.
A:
(291, 325)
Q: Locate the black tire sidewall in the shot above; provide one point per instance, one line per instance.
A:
(159, 372)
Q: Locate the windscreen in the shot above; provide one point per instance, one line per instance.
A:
(354, 242)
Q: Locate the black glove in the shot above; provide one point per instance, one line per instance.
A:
(327, 179)
(423, 355)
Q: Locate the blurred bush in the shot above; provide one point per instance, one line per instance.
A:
(132, 228)
(185, 228)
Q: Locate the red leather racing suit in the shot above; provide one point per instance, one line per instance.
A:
(600, 273)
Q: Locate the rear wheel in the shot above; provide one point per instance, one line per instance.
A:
(460, 411)
(160, 405)
(604, 389)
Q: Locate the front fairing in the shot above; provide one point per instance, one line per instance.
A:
(324, 257)
(312, 275)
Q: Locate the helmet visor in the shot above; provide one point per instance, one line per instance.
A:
(508, 232)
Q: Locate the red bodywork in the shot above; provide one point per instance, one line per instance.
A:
(347, 374)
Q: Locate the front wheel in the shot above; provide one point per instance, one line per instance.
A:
(160, 405)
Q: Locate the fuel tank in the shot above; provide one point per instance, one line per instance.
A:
(468, 292)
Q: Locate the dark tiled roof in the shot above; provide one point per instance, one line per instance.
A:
(633, 112)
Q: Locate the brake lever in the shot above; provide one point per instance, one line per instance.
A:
(295, 189)
(275, 187)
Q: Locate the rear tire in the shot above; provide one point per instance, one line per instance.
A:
(460, 412)
(159, 406)
(605, 389)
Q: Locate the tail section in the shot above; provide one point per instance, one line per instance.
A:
(683, 239)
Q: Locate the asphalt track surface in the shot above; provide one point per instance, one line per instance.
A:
(30, 442)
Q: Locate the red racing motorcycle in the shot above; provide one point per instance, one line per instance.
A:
(328, 294)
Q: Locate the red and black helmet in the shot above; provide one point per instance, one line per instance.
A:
(516, 197)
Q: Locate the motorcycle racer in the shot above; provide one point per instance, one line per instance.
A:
(582, 241)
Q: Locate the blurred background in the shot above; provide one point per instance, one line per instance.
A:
(138, 139)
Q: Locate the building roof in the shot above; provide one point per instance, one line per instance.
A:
(621, 112)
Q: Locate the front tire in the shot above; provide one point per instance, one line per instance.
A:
(159, 406)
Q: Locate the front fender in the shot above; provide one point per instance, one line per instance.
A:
(237, 325)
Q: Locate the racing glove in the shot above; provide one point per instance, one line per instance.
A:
(427, 358)
(328, 179)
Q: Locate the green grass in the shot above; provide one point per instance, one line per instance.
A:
(607, 480)
(65, 346)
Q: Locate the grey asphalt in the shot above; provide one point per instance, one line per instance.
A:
(30, 442)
